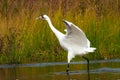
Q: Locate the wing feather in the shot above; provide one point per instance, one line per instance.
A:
(76, 35)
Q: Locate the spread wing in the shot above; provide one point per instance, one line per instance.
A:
(76, 35)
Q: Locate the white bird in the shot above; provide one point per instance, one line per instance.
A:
(74, 41)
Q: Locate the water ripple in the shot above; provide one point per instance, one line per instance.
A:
(56, 63)
(95, 71)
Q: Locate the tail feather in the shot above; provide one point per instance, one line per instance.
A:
(91, 49)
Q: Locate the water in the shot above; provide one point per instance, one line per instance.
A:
(99, 70)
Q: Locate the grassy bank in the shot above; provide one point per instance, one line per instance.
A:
(25, 40)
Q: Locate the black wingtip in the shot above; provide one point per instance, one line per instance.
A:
(65, 22)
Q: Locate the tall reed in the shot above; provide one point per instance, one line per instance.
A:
(25, 40)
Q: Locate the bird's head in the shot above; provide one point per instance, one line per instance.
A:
(43, 17)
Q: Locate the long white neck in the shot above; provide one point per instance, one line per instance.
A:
(57, 33)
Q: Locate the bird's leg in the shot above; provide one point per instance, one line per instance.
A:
(87, 66)
(67, 70)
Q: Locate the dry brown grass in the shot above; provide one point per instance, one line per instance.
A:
(23, 39)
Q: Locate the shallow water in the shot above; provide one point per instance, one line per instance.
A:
(99, 70)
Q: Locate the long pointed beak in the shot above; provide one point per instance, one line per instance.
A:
(40, 17)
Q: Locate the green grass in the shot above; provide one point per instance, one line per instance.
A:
(26, 40)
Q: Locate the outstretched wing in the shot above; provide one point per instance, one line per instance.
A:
(75, 35)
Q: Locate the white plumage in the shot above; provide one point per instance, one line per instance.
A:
(74, 41)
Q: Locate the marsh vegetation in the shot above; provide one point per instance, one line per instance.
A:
(25, 40)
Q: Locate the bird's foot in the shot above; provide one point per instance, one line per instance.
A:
(67, 71)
